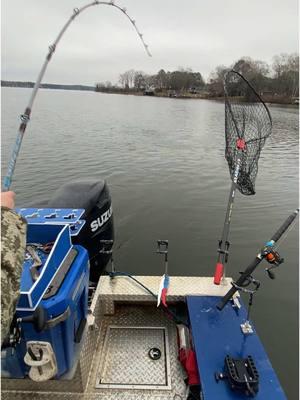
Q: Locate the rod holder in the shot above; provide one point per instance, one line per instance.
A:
(107, 249)
(246, 327)
(162, 248)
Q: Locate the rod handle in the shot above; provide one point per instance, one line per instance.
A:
(285, 226)
(218, 273)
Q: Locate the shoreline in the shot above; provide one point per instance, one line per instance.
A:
(280, 100)
(272, 100)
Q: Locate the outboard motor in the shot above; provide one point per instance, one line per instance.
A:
(94, 197)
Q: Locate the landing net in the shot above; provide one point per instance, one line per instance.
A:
(248, 124)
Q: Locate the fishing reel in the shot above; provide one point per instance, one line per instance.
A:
(273, 258)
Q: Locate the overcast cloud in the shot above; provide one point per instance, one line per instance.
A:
(101, 43)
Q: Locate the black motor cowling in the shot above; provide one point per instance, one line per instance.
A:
(94, 197)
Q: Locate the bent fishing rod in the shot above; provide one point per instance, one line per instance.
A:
(28, 110)
(248, 124)
(267, 252)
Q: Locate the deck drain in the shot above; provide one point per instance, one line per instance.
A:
(154, 353)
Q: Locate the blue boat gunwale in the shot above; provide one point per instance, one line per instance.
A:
(222, 335)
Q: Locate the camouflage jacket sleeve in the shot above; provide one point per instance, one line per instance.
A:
(13, 244)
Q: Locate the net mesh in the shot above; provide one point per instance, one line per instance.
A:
(247, 118)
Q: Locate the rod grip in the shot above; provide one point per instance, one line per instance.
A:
(222, 303)
(284, 226)
(218, 273)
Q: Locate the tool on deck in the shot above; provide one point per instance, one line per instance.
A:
(265, 252)
(248, 124)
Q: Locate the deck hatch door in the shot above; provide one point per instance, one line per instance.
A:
(125, 361)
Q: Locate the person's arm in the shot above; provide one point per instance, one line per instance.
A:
(13, 244)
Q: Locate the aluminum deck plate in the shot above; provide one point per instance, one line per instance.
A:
(147, 316)
(124, 289)
(126, 363)
(92, 357)
(120, 302)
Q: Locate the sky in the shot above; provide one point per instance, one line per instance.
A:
(101, 43)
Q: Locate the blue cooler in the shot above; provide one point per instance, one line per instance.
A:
(52, 309)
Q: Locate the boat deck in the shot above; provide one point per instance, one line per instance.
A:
(124, 324)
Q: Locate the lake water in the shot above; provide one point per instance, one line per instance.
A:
(164, 162)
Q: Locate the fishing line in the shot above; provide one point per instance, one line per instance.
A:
(28, 110)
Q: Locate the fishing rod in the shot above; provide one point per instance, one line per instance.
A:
(28, 110)
(248, 124)
(267, 252)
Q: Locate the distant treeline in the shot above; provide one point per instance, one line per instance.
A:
(278, 82)
(46, 85)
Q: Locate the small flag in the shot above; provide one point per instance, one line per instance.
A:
(163, 289)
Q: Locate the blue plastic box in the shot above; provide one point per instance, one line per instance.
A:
(61, 289)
